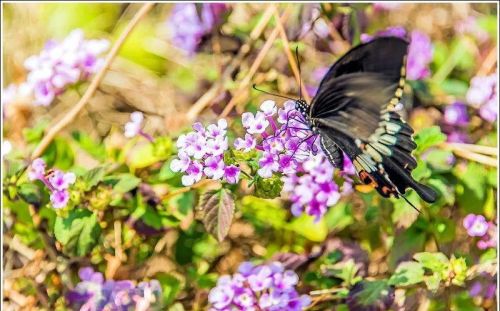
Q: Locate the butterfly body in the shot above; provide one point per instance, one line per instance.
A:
(356, 112)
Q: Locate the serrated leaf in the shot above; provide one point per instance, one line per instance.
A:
(93, 177)
(78, 232)
(217, 208)
(407, 273)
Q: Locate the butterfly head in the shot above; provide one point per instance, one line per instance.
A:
(302, 107)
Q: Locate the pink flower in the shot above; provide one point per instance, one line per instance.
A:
(268, 107)
(61, 181)
(476, 225)
(256, 124)
(246, 144)
(232, 174)
(268, 165)
(214, 167)
(37, 169)
(59, 198)
(181, 164)
(194, 174)
(133, 128)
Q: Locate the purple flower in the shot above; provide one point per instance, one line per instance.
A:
(188, 27)
(419, 56)
(61, 181)
(483, 95)
(456, 114)
(62, 64)
(457, 137)
(265, 287)
(194, 174)
(133, 127)
(255, 124)
(268, 165)
(58, 182)
(419, 51)
(489, 240)
(201, 152)
(37, 169)
(182, 163)
(246, 144)
(232, 174)
(94, 293)
(214, 167)
(59, 198)
(475, 225)
(289, 148)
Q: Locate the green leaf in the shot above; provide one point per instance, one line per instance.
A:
(407, 273)
(464, 302)
(429, 137)
(439, 160)
(217, 210)
(123, 183)
(404, 215)
(312, 230)
(94, 148)
(78, 232)
(436, 262)
(59, 154)
(432, 281)
(171, 287)
(339, 216)
(93, 177)
(372, 294)
(264, 212)
(407, 242)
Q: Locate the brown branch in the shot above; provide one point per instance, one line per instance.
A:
(289, 55)
(493, 151)
(255, 66)
(73, 113)
(216, 88)
(488, 63)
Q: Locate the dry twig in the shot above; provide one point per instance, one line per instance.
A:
(73, 113)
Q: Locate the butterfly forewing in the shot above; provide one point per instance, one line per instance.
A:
(355, 110)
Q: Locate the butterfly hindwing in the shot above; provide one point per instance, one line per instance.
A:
(356, 110)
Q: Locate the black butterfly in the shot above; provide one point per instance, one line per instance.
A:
(354, 111)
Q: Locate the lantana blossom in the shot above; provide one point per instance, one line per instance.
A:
(267, 287)
(201, 153)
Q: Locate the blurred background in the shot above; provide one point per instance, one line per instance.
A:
(185, 64)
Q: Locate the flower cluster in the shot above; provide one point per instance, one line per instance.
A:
(313, 191)
(419, 51)
(477, 226)
(188, 26)
(483, 95)
(134, 126)
(94, 293)
(57, 181)
(201, 152)
(265, 287)
(290, 148)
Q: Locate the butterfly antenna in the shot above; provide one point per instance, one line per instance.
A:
(265, 92)
(300, 74)
(407, 201)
